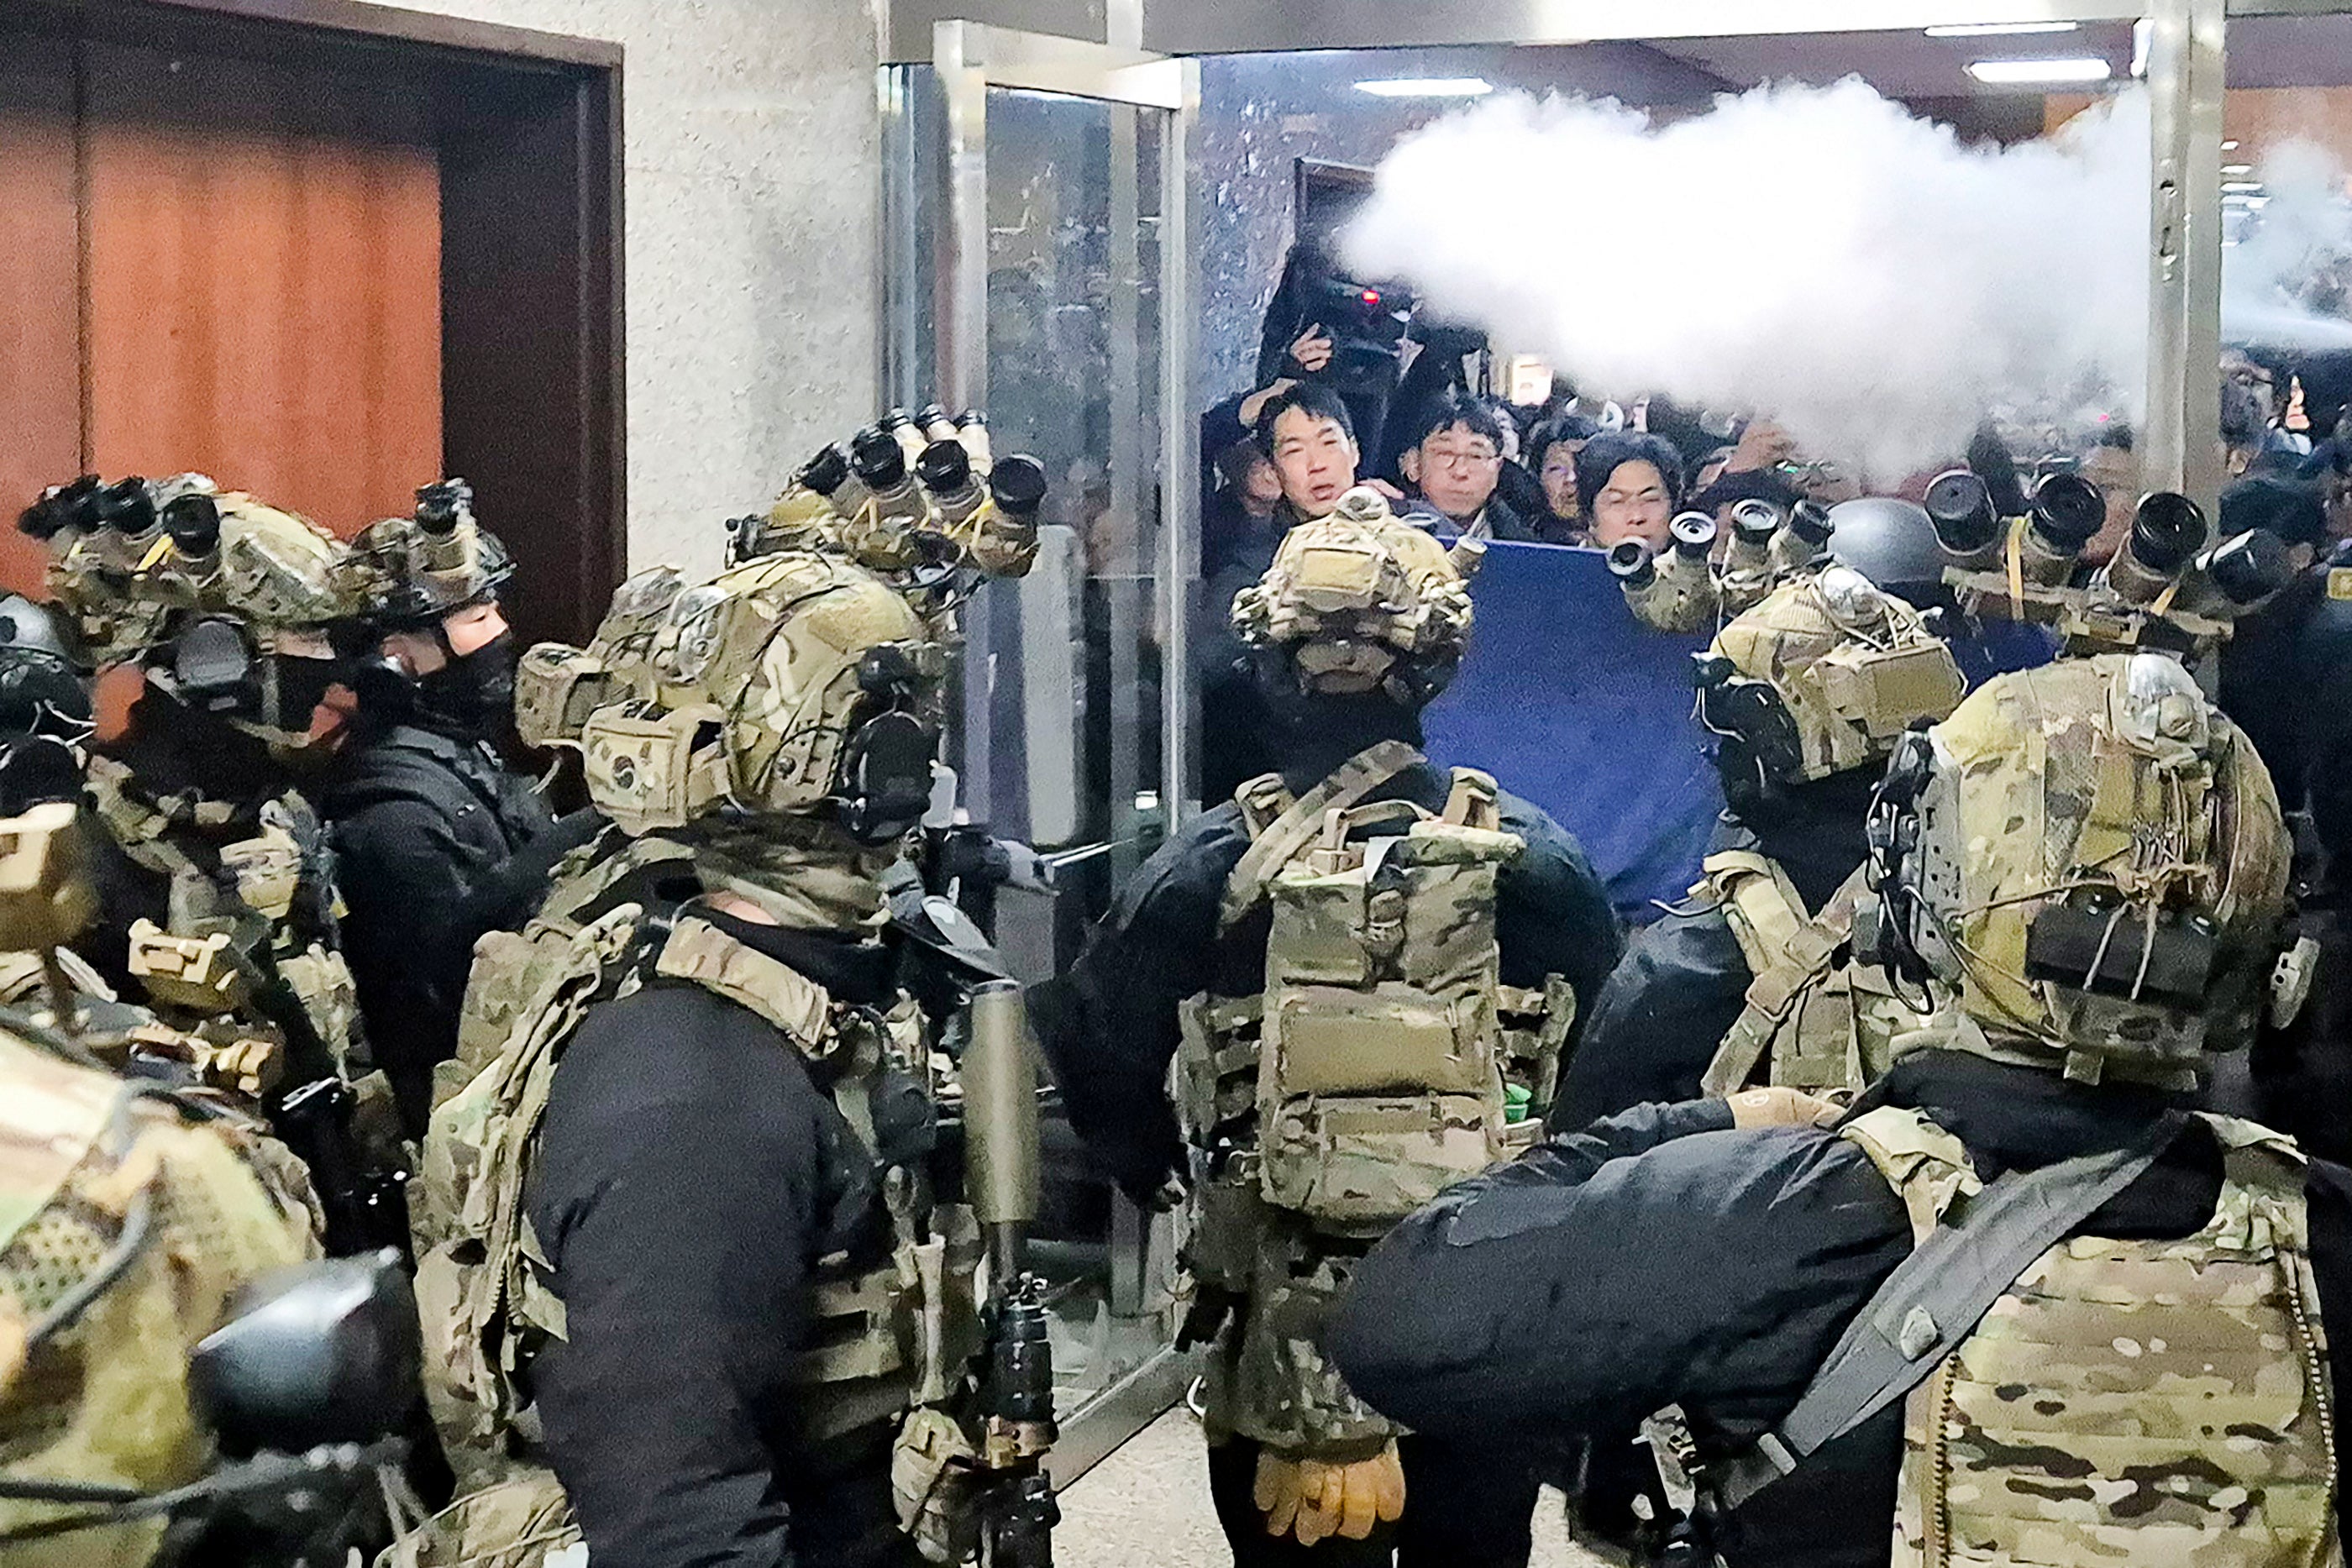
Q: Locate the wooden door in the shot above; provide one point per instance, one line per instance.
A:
(263, 279)
(40, 280)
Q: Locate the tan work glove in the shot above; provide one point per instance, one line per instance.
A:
(1780, 1106)
(1313, 1499)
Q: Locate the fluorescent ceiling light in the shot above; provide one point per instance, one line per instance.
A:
(1427, 86)
(2241, 187)
(2143, 46)
(2229, 147)
(1999, 29)
(2228, 169)
(2018, 73)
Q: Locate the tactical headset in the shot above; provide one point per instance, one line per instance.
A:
(882, 785)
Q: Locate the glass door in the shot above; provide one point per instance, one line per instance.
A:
(1035, 222)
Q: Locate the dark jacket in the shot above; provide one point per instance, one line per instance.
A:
(2286, 680)
(1683, 980)
(1109, 1026)
(1663, 1257)
(690, 1174)
(1524, 494)
(424, 826)
(1501, 522)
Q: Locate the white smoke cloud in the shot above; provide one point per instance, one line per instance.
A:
(2292, 251)
(1818, 253)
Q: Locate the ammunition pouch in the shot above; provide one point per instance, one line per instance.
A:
(321, 982)
(194, 973)
(932, 1481)
(1535, 1025)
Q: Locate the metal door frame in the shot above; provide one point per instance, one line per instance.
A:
(2185, 80)
(971, 57)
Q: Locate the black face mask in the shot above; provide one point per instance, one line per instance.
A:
(475, 694)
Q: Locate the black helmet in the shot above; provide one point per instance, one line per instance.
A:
(1891, 543)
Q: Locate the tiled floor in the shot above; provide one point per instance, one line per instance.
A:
(1147, 1506)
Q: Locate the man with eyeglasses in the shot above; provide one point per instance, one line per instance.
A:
(1453, 463)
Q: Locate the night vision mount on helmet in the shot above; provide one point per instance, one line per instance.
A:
(2168, 589)
(408, 572)
(229, 604)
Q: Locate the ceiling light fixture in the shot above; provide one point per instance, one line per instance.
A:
(2143, 46)
(2241, 187)
(1427, 86)
(2230, 169)
(2229, 147)
(2023, 73)
(1998, 30)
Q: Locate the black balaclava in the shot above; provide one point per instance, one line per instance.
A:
(473, 693)
(1814, 831)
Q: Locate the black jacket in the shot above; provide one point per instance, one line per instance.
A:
(1659, 1019)
(2286, 680)
(424, 826)
(1683, 980)
(690, 1174)
(1109, 1026)
(1663, 1257)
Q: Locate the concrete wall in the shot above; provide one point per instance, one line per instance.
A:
(752, 156)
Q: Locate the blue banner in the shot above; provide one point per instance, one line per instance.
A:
(1571, 703)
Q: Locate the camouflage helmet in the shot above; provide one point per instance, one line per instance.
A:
(1821, 676)
(2089, 860)
(797, 685)
(410, 572)
(167, 556)
(230, 604)
(1360, 600)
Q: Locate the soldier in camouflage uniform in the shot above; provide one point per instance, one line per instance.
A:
(129, 1215)
(219, 904)
(687, 1292)
(922, 505)
(2082, 870)
(1752, 981)
(1366, 969)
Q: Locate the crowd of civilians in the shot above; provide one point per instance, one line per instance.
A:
(1576, 471)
